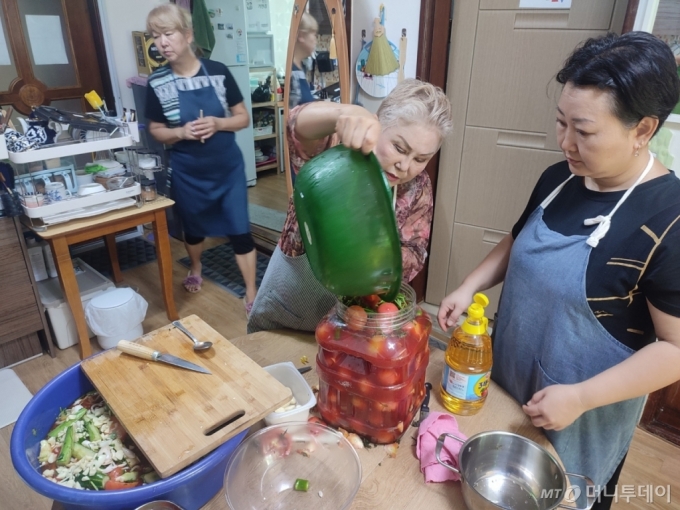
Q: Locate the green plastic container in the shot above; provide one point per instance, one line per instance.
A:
(347, 224)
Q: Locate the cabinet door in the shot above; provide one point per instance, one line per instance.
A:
(582, 14)
(470, 246)
(515, 61)
(499, 169)
(19, 315)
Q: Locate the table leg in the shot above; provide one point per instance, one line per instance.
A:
(69, 285)
(110, 241)
(164, 254)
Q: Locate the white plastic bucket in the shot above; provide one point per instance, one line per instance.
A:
(116, 315)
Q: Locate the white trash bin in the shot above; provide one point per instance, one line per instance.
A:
(116, 315)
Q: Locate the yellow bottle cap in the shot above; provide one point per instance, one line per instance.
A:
(475, 313)
(481, 299)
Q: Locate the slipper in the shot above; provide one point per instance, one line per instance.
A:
(248, 306)
(192, 280)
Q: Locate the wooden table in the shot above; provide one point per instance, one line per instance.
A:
(394, 483)
(60, 237)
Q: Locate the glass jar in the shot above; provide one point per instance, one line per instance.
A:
(372, 370)
(148, 189)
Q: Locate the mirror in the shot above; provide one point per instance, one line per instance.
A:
(326, 77)
(318, 60)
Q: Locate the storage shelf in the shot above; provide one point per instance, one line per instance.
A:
(265, 137)
(73, 149)
(268, 166)
(264, 105)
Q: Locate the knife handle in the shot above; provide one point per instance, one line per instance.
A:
(135, 349)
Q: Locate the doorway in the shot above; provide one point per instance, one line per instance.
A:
(51, 53)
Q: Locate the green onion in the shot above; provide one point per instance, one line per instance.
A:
(301, 485)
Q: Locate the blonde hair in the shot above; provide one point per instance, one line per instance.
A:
(417, 102)
(168, 17)
(308, 23)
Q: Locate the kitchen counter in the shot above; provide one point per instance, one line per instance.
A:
(394, 483)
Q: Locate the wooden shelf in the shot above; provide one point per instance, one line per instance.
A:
(265, 137)
(268, 166)
(264, 105)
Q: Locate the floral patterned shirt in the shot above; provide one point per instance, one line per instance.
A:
(414, 207)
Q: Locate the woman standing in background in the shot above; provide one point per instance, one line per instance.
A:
(196, 105)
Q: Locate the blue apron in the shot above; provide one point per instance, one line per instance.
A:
(547, 334)
(208, 179)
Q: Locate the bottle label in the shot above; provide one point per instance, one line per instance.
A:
(465, 386)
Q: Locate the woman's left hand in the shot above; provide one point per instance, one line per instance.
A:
(555, 407)
(204, 127)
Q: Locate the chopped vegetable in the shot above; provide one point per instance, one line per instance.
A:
(392, 449)
(58, 430)
(301, 485)
(87, 448)
(64, 456)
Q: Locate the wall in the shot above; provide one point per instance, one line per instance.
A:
(281, 13)
(398, 14)
(122, 18)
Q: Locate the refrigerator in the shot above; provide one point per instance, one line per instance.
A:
(231, 48)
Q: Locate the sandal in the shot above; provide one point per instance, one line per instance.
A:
(192, 283)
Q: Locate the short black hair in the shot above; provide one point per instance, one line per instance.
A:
(637, 68)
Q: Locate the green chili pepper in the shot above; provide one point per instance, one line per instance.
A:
(64, 456)
(56, 431)
(301, 485)
(92, 431)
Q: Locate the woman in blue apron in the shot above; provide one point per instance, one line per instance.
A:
(196, 105)
(591, 269)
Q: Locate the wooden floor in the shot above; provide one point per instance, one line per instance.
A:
(651, 461)
(270, 190)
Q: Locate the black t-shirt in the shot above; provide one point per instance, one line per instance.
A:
(161, 95)
(639, 258)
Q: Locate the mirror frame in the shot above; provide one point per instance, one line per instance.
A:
(337, 17)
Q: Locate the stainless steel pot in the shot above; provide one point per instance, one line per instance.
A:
(501, 470)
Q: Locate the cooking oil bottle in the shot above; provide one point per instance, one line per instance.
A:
(465, 380)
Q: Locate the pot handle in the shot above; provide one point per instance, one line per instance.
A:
(590, 493)
(438, 451)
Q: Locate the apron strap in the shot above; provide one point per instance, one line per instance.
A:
(555, 192)
(605, 221)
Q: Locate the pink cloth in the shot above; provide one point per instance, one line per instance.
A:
(430, 429)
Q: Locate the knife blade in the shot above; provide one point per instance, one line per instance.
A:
(141, 351)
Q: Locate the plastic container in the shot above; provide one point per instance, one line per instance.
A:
(347, 223)
(91, 283)
(288, 375)
(49, 260)
(191, 488)
(469, 357)
(148, 190)
(116, 315)
(35, 255)
(372, 373)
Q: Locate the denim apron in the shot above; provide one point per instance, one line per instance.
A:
(208, 179)
(546, 334)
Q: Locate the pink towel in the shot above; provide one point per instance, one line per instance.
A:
(430, 429)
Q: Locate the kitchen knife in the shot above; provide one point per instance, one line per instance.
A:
(144, 352)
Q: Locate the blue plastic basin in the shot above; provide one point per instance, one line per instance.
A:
(191, 488)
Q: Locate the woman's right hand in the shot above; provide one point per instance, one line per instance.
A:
(358, 131)
(452, 306)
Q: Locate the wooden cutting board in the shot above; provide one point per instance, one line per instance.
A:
(172, 413)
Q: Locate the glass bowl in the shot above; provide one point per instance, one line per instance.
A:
(261, 474)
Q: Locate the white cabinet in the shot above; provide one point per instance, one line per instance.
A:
(258, 18)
